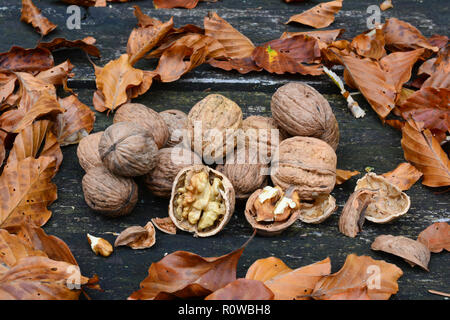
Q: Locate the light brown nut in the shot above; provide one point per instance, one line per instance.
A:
(352, 216)
(148, 118)
(176, 121)
(319, 210)
(137, 237)
(165, 225)
(100, 246)
(391, 203)
(306, 163)
(87, 151)
(169, 161)
(127, 149)
(202, 201)
(302, 111)
(414, 252)
(109, 194)
(212, 125)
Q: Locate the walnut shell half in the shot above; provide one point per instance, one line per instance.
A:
(202, 201)
(319, 210)
(87, 151)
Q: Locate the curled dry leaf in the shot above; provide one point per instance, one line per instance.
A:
(344, 175)
(414, 252)
(242, 289)
(3, 136)
(370, 44)
(143, 19)
(355, 280)
(301, 48)
(165, 225)
(436, 237)
(26, 60)
(319, 16)
(32, 15)
(243, 65)
(31, 89)
(58, 75)
(137, 237)
(325, 36)
(169, 4)
(404, 176)
(267, 269)
(7, 86)
(352, 216)
(86, 44)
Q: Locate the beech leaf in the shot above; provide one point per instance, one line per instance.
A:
(242, 289)
(436, 237)
(404, 176)
(27, 60)
(32, 15)
(319, 16)
(344, 175)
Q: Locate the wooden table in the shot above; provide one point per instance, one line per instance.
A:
(364, 142)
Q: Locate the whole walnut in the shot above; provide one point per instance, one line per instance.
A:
(109, 194)
(303, 111)
(308, 164)
(87, 151)
(176, 121)
(169, 162)
(147, 118)
(127, 149)
(212, 125)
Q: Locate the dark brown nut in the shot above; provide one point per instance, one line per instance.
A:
(87, 151)
(270, 211)
(309, 164)
(149, 119)
(169, 161)
(127, 149)
(202, 201)
(212, 125)
(319, 210)
(109, 194)
(302, 111)
(176, 121)
(245, 171)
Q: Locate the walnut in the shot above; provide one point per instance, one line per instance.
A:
(202, 201)
(212, 125)
(302, 111)
(127, 149)
(176, 121)
(109, 194)
(319, 210)
(307, 163)
(169, 161)
(149, 119)
(87, 151)
(270, 210)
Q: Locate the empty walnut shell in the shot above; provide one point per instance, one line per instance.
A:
(176, 121)
(149, 119)
(302, 111)
(127, 149)
(109, 194)
(169, 161)
(267, 229)
(87, 151)
(319, 210)
(390, 203)
(414, 252)
(212, 125)
(221, 201)
(309, 164)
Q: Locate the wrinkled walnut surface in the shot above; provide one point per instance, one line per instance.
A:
(87, 151)
(176, 121)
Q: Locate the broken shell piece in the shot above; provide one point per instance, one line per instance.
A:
(270, 211)
(100, 246)
(352, 216)
(318, 211)
(165, 225)
(137, 237)
(202, 201)
(390, 202)
(414, 252)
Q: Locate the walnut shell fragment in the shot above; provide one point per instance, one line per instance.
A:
(109, 194)
(165, 225)
(301, 110)
(169, 161)
(262, 206)
(87, 151)
(148, 118)
(317, 211)
(414, 252)
(137, 237)
(390, 203)
(308, 164)
(352, 216)
(127, 149)
(202, 201)
(176, 121)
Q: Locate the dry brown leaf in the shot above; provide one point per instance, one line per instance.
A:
(358, 279)
(143, 19)
(243, 66)
(31, 89)
(3, 136)
(58, 75)
(344, 175)
(137, 237)
(325, 36)
(266, 269)
(425, 153)
(86, 44)
(404, 176)
(301, 48)
(27, 60)
(319, 16)
(134, 92)
(165, 225)
(414, 252)
(7, 86)
(370, 44)
(169, 4)
(436, 237)
(32, 15)
(242, 289)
